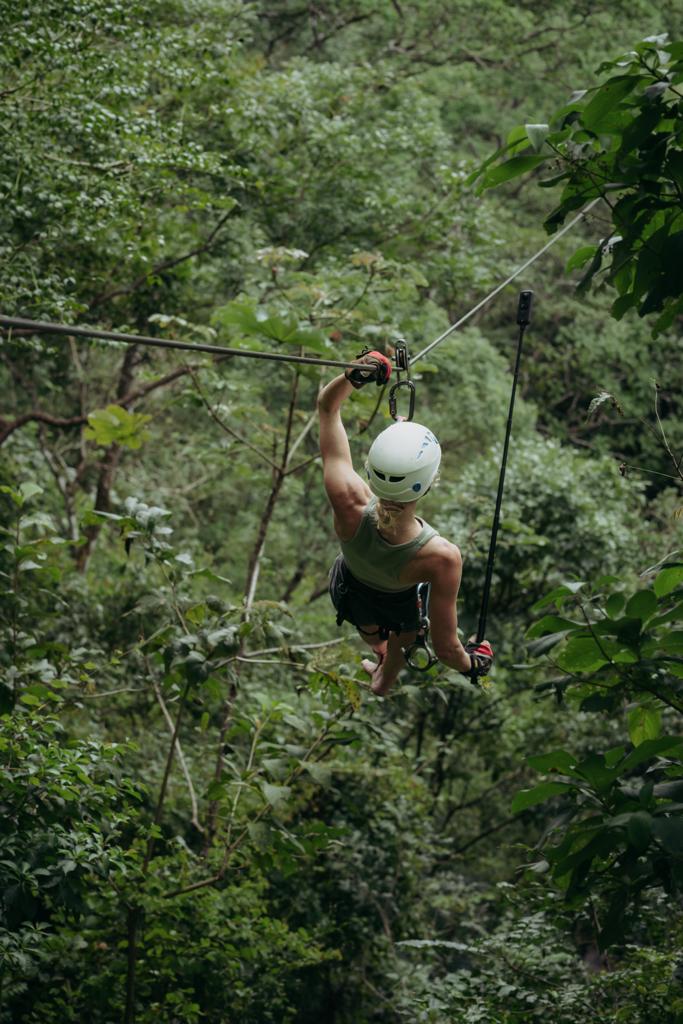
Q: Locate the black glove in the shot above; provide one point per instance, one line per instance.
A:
(378, 369)
(481, 656)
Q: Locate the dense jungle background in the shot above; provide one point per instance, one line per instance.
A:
(206, 816)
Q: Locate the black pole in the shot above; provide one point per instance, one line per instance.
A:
(523, 319)
(45, 327)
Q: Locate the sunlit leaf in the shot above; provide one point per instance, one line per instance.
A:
(643, 724)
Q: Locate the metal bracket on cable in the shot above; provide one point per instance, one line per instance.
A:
(402, 360)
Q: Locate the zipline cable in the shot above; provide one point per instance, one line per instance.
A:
(505, 283)
(523, 320)
(45, 327)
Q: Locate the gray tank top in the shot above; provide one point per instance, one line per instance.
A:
(374, 561)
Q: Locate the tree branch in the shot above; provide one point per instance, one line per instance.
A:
(181, 757)
(226, 427)
(159, 268)
(7, 427)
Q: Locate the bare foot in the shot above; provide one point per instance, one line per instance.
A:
(378, 685)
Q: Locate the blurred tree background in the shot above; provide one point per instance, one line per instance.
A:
(205, 814)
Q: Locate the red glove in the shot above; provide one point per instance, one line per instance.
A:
(378, 369)
(481, 656)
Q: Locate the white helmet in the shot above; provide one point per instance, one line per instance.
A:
(403, 461)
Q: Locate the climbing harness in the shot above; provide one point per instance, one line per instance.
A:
(523, 321)
(402, 366)
(419, 655)
(356, 602)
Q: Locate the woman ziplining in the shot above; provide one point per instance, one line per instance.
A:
(387, 551)
(392, 564)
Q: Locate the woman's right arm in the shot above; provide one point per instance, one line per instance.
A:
(444, 579)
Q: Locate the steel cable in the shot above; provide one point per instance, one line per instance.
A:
(505, 283)
(45, 327)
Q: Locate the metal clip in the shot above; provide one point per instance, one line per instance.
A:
(393, 401)
(419, 655)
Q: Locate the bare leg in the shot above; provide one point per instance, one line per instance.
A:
(369, 636)
(385, 672)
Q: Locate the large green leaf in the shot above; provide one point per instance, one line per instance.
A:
(582, 654)
(320, 773)
(642, 605)
(276, 795)
(550, 624)
(257, 322)
(115, 425)
(557, 595)
(260, 834)
(556, 760)
(597, 772)
(614, 605)
(639, 830)
(668, 580)
(672, 642)
(649, 749)
(529, 797)
(605, 99)
(580, 257)
(669, 832)
(598, 845)
(537, 134)
(643, 724)
(674, 614)
(512, 168)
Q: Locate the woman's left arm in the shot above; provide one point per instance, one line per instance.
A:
(346, 490)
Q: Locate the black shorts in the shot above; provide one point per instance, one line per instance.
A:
(392, 611)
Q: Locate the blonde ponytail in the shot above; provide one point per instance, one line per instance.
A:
(385, 518)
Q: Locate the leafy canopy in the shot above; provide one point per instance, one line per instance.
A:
(619, 142)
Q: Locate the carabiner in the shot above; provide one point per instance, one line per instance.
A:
(419, 650)
(415, 656)
(393, 401)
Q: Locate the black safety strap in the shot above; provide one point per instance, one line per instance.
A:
(523, 320)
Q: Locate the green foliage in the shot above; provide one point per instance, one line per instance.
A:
(622, 647)
(115, 425)
(527, 969)
(620, 828)
(557, 502)
(207, 816)
(618, 141)
(67, 808)
(254, 325)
